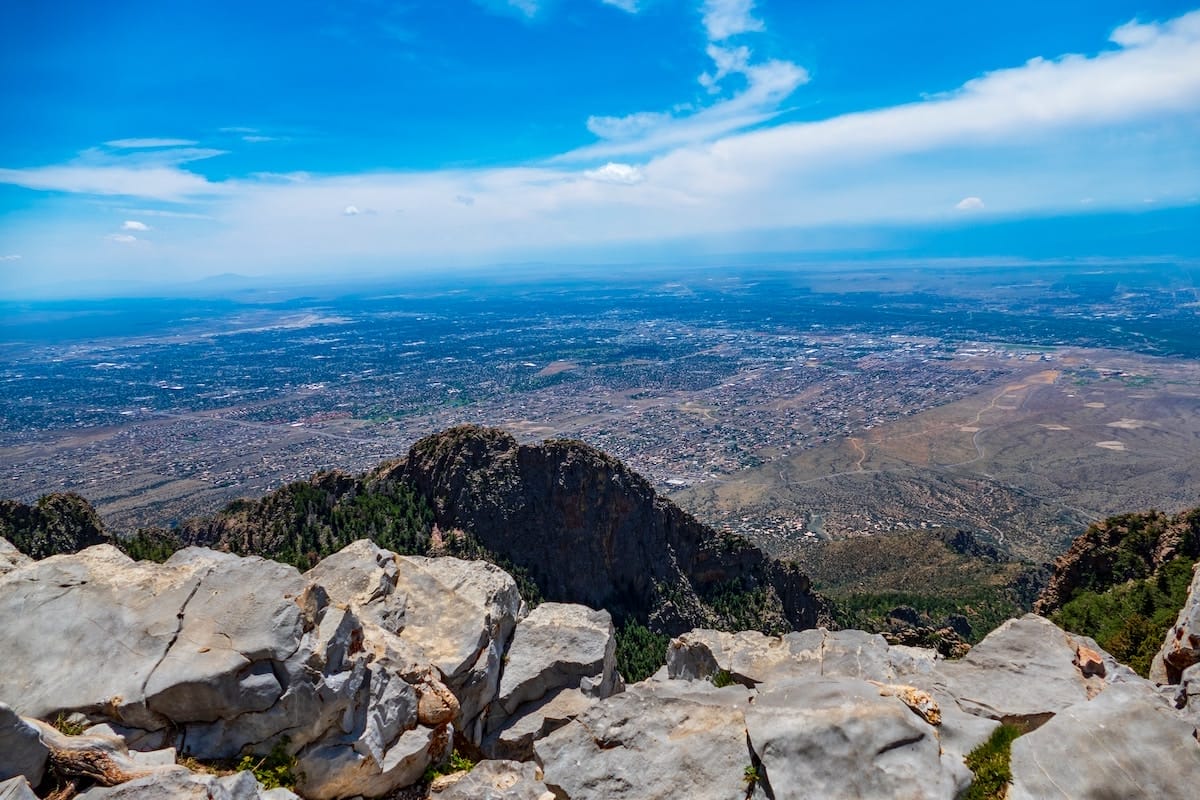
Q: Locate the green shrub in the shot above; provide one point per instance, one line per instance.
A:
(640, 651)
(274, 770)
(990, 763)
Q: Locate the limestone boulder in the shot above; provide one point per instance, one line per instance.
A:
(194, 638)
(656, 740)
(847, 738)
(458, 618)
(221, 656)
(1027, 670)
(16, 789)
(22, 752)
(513, 737)
(495, 780)
(1124, 743)
(11, 557)
(181, 784)
(751, 657)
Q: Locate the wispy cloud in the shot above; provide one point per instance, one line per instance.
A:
(139, 144)
(767, 84)
(134, 225)
(11, 257)
(149, 173)
(625, 5)
(616, 173)
(122, 238)
(726, 18)
(969, 204)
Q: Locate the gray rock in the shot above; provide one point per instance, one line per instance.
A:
(751, 657)
(513, 737)
(1125, 743)
(181, 784)
(16, 788)
(496, 780)
(655, 740)
(11, 557)
(22, 752)
(1181, 648)
(192, 636)
(221, 655)
(841, 738)
(459, 617)
(1025, 671)
(559, 645)
(344, 770)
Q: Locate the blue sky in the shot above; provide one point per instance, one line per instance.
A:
(153, 141)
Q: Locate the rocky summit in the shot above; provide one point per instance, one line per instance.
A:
(371, 673)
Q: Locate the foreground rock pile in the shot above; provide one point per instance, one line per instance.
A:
(371, 667)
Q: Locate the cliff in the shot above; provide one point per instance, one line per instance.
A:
(589, 530)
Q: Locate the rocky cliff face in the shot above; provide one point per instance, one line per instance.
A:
(1119, 549)
(371, 666)
(590, 530)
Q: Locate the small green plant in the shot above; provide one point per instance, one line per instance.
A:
(721, 678)
(274, 770)
(457, 762)
(750, 775)
(65, 725)
(990, 764)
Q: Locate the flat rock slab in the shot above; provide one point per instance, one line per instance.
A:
(188, 640)
(751, 657)
(654, 741)
(1125, 743)
(1025, 671)
(22, 753)
(836, 738)
(497, 780)
(182, 784)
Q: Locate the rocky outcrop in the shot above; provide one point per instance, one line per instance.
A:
(1181, 649)
(364, 666)
(1117, 549)
(589, 530)
(370, 667)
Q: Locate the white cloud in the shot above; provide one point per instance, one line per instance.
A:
(616, 173)
(257, 138)
(153, 174)
(138, 144)
(11, 257)
(351, 211)
(766, 86)
(725, 18)
(134, 225)
(625, 5)
(627, 127)
(123, 238)
(969, 204)
(1117, 127)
